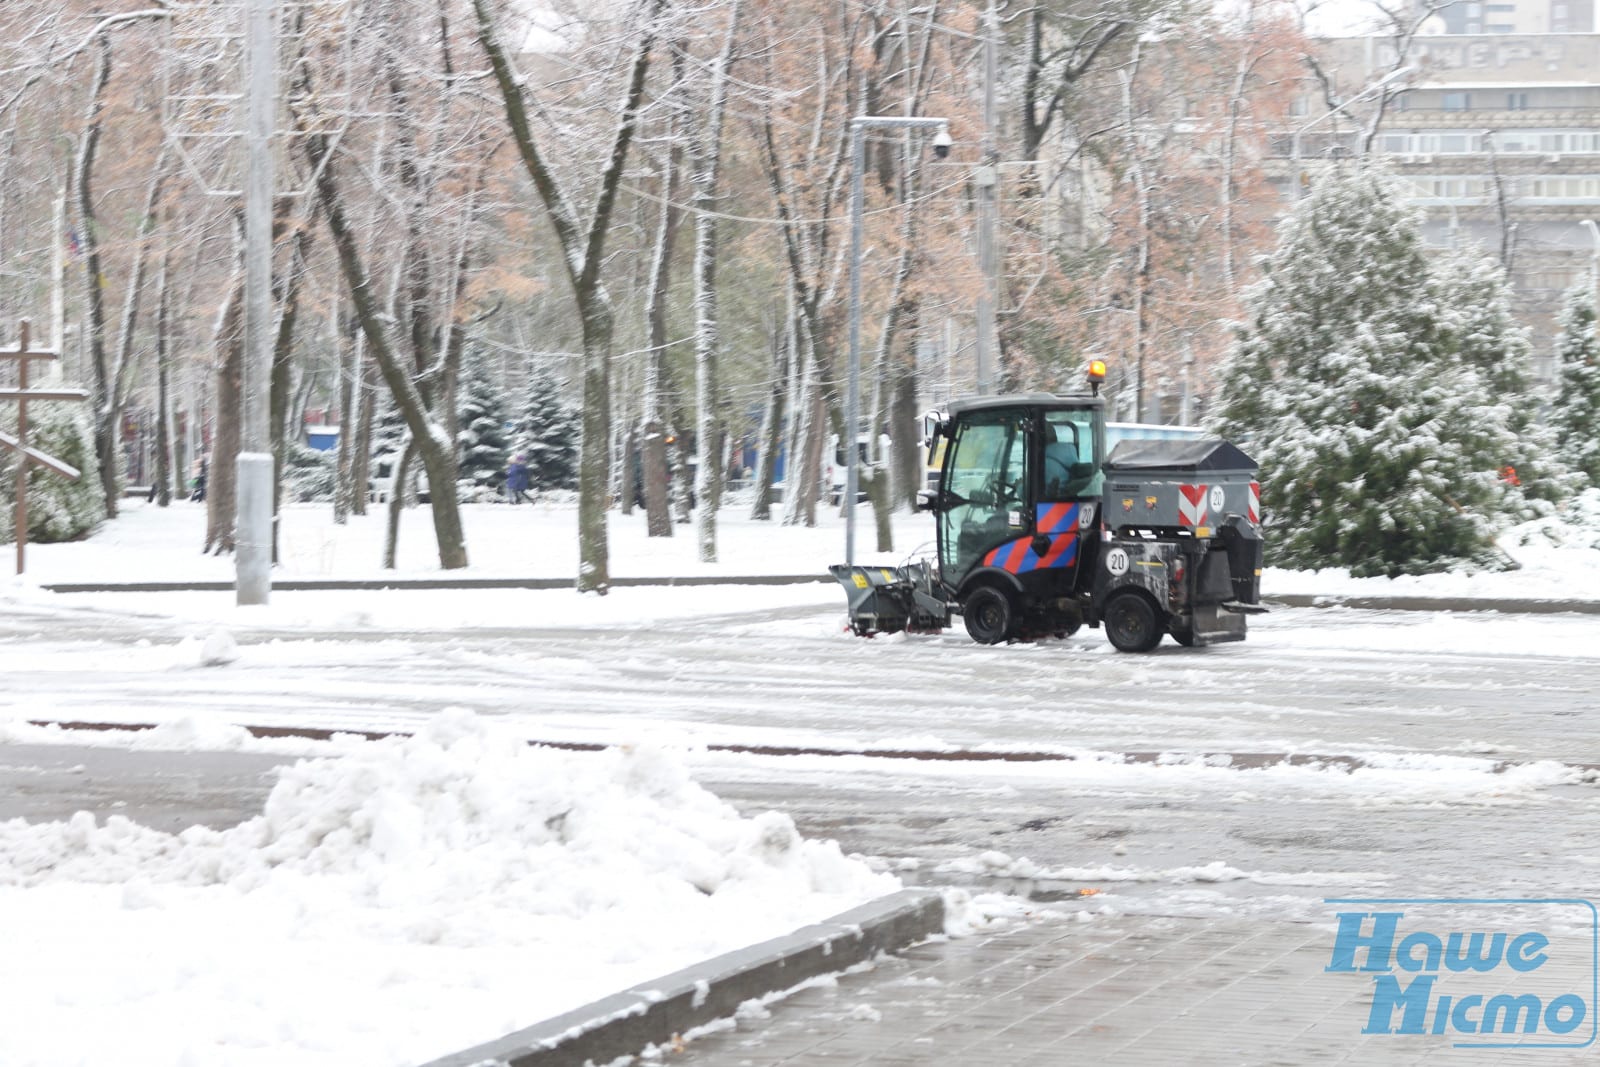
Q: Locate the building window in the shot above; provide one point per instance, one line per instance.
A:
(1516, 101)
(1456, 102)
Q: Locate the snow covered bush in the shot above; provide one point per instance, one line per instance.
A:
(308, 474)
(1577, 411)
(1366, 387)
(58, 509)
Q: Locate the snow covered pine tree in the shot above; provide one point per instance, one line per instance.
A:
(485, 446)
(548, 434)
(1577, 412)
(1381, 445)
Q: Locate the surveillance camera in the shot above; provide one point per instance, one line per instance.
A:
(941, 143)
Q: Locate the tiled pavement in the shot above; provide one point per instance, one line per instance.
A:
(1115, 990)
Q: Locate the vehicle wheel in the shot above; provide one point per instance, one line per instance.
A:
(1184, 635)
(1131, 623)
(988, 615)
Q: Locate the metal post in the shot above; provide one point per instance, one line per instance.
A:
(853, 389)
(253, 525)
(858, 127)
(986, 178)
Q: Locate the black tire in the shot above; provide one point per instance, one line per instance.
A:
(988, 615)
(1131, 623)
(1184, 635)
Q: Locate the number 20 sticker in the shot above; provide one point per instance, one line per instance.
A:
(1117, 562)
(1218, 498)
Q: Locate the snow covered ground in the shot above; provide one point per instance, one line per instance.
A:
(1559, 557)
(398, 900)
(397, 904)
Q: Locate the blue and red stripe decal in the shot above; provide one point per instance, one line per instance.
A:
(1058, 522)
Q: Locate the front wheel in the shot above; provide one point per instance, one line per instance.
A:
(1131, 623)
(988, 615)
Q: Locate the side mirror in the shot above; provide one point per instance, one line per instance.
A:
(926, 499)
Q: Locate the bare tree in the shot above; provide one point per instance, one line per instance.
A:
(584, 257)
(705, 161)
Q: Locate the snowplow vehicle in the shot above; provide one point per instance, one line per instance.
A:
(1039, 532)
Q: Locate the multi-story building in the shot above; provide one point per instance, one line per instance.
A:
(1498, 135)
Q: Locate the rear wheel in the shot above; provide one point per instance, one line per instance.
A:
(988, 615)
(1131, 624)
(1184, 635)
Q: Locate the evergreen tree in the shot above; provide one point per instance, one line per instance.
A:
(388, 432)
(1349, 386)
(483, 439)
(548, 434)
(1475, 296)
(58, 509)
(1577, 412)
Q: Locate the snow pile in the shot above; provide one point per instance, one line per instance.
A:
(212, 946)
(1576, 525)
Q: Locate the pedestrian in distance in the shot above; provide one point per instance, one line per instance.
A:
(517, 480)
(199, 489)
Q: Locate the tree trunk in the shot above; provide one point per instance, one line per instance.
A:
(344, 492)
(279, 404)
(659, 390)
(105, 428)
(905, 430)
(771, 429)
(163, 340)
(876, 486)
(584, 255)
(221, 484)
(366, 372)
(434, 447)
(397, 501)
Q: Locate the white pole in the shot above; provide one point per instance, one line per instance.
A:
(253, 524)
(986, 178)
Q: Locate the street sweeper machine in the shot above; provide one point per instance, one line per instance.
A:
(1038, 531)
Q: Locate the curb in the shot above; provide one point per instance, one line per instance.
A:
(1434, 603)
(654, 1012)
(305, 585)
(1506, 605)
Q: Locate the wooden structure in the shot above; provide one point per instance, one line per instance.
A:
(24, 356)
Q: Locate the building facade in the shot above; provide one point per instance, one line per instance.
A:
(1498, 138)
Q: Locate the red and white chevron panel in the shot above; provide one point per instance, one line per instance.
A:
(1255, 502)
(1191, 505)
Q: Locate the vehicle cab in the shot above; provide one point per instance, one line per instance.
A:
(1018, 493)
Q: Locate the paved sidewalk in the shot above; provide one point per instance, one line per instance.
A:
(1115, 990)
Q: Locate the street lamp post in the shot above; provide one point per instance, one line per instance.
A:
(858, 127)
(1294, 138)
(253, 522)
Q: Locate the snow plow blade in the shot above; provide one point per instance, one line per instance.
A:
(887, 600)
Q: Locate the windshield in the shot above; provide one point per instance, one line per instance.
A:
(986, 477)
